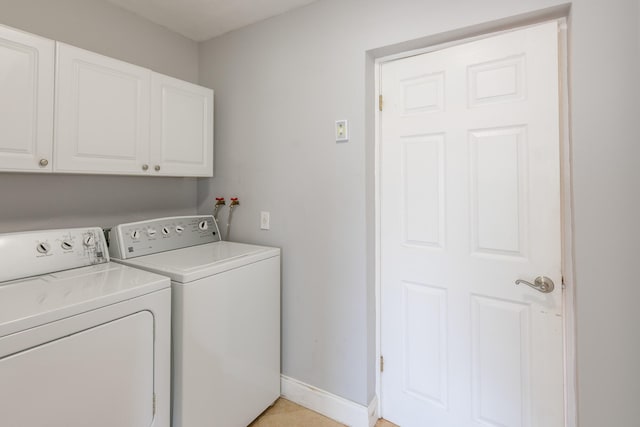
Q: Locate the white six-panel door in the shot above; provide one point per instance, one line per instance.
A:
(470, 202)
(26, 101)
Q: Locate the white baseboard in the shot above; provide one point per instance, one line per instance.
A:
(373, 411)
(335, 407)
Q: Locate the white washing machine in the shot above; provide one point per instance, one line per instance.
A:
(226, 316)
(83, 341)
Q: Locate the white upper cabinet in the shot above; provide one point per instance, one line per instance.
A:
(26, 101)
(111, 117)
(181, 127)
(102, 114)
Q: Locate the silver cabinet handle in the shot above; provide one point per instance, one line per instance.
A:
(43, 162)
(157, 168)
(542, 284)
(145, 167)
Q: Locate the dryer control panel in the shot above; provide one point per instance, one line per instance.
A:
(33, 253)
(160, 235)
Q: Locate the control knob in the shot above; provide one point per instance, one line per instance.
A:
(66, 245)
(151, 232)
(165, 231)
(89, 240)
(203, 225)
(43, 247)
(179, 229)
(135, 234)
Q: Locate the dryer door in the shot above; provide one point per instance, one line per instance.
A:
(99, 377)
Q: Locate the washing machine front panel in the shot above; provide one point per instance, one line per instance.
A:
(227, 353)
(99, 377)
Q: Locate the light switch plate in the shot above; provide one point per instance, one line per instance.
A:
(342, 131)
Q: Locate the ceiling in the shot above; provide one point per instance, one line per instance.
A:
(201, 20)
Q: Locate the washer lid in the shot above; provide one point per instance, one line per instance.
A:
(26, 303)
(195, 262)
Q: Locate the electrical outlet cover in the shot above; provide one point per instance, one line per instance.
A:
(342, 131)
(265, 219)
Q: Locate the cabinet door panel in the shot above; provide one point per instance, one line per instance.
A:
(26, 103)
(181, 127)
(102, 122)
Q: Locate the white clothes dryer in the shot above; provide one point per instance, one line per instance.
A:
(226, 316)
(83, 341)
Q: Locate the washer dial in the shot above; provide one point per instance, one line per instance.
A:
(43, 247)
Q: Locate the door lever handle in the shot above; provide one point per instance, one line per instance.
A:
(542, 284)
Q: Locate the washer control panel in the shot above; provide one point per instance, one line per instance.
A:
(33, 253)
(159, 235)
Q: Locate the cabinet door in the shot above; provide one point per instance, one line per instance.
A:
(102, 114)
(26, 101)
(181, 128)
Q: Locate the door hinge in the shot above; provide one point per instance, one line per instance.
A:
(381, 363)
(153, 404)
(380, 102)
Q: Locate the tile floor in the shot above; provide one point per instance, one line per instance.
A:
(287, 414)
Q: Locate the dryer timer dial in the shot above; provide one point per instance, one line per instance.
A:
(89, 240)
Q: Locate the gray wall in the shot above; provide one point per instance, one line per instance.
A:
(606, 148)
(102, 27)
(30, 201)
(281, 83)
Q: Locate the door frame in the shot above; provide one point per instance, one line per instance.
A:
(566, 213)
